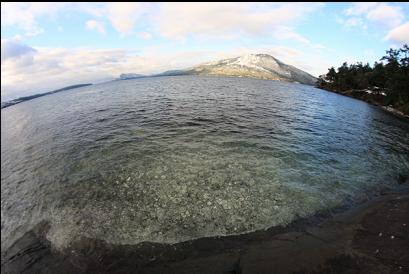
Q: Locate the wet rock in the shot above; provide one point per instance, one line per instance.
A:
(402, 179)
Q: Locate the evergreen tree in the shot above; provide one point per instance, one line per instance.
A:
(389, 77)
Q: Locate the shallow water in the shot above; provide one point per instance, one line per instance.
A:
(169, 159)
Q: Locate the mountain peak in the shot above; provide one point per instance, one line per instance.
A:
(259, 65)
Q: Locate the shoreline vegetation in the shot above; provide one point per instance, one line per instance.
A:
(369, 237)
(385, 84)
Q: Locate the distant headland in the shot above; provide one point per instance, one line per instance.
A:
(26, 98)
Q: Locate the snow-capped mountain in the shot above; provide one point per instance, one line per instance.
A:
(262, 66)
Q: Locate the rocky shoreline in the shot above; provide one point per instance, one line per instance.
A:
(370, 99)
(372, 237)
(395, 111)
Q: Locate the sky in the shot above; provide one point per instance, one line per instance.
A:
(45, 46)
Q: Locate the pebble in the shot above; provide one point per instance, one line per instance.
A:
(392, 237)
(380, 234)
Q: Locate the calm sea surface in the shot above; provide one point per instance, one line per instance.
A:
(174, 158)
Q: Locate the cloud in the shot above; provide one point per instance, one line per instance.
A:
(228, 20)
(283, 33)
(145, 35)
(25, 15)
(355, 22)
(51, 68)
(286, 33)
(27, 71)
(171, 20)
(383, 14)
(360, 8)
(14, 49)
(124, 16)
(386, 14)
(399, 34)
(95, 25)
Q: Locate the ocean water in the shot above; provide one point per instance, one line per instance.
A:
(169, 159)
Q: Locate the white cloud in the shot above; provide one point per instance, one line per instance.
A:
(283, 33)
(171, 20)
(383, 14)
(50, 68)
(355, 22)
(360, 8)
(229, 20)
(14, 49)
(386, 14)
(95, 25)
(399, 34)
(145, 35)
(286, 33)
(25, 15)
(123, 16)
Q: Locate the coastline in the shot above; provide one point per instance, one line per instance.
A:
(371, 237)
(394, 111)
(370, 100)
(31, 97)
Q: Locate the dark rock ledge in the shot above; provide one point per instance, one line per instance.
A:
(372, 237)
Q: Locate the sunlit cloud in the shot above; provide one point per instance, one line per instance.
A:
(384, 14)
(145, 35)
(227, 19)
(124, 16)
(25, 15)
(95, 25)
(399, 34)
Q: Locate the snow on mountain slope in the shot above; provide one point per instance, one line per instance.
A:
(262, 66)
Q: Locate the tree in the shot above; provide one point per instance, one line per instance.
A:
(390, 77)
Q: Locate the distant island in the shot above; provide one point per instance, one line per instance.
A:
(26, 98)
(260, 66)
(385, 84)
(127, 76)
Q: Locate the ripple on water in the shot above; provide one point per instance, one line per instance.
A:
(175, 158)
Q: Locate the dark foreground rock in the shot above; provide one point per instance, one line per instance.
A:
(370, 238)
